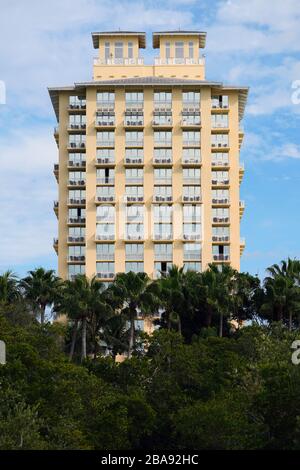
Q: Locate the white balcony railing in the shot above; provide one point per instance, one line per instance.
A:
(122, 61)
(221, 257)
(175, 61)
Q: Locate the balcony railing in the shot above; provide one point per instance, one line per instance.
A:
(133, 122)
(181, 61)
(134, 237)
(76, 220)
(162, 198)
(121, 61)
(163, 236)
(219, 144)
(105, 143)
(191, 180)
(105, 237)
(192, 236)
(163, 143)
(220, 220)
(162, 160)
(77, 127)
(109, 105)
(162, 181)
(191, 143)
(76, 239)
(77, 201)
(132, 180)
(221, 257)
(77, 163)
(134, 198)
(134, 143)
(219, 162)
(105, 160)
(220, 200)
(105, 180)
(105, 256)
(77, 182)
(191, 160)
(220, 182)
(77, 145)
(220, 238)
(105, 122)
(79, 105)
(167, 122)
(192, 255)
(191, 198)
(106, 198)
(78, 259)
(134, 160)
(188, 122)
(162, 106)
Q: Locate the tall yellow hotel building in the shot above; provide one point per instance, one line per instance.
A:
(149, 171)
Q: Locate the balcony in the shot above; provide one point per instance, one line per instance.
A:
(104, 122)
(106, 106)
(78, 106)
(76, 220)
(77, 201)
(107, 198)
(220, 182)
(55, 245)
(191, 237)
(181, 61)
(220, 127)
(76, 182)
(220, 163)
(192, 256)
(122, 61)
(134, 198)
(220, 201)
(241, 172)
(241, 208)
(221, 257)
(77, 127)
(105, 237)
(76, 259)
(55, 207)
(191, 161)
(162, 106)
(191, 198)
(242, 245)
(220, 220)
(134, 122)
(191, 107)
(162, 198)
(76, 145)
(76, 240)
(134, 237)
(241, 137)
(129, 161)
(161, 161)
(106, 181)
(224, 145)
(105, 275)
(80, 163)
(220, 238)
(190, 122)
(56, 171)
(162, 236)
(159, 123)
(105, 161)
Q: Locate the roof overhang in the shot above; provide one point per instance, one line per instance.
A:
(199, 34)
(140, 35)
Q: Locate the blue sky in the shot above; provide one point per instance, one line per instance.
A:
(249, 42)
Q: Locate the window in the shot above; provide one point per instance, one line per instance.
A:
(105, 251)
(105, 193)
(134, 138)
(106, 138)
(77, 140)
(76, 196)
(76, 253)
(191, 137)
(135, 213)
(192, 266)
(191, 251)
(220, 215)
(163, 97)
(134, 155)
(76, 234)
(220, 252)
(105, 231)
(105, 213)
(220, 234)
(134, 231)
(220, 101)
(220, 196)
(191, 193)
(163, 251)
(179, 50)
(163, 231)
(191, 155)
(168, 50)
(74, 269)
(107, 50)
(163, 138)
(219, 121)
(77, 121)
(134, 251)
(220, 140)
(163, 193)
(134, 98)
(191, 213)
(134, 193)
(162, 176)
(118, 50)
(163, 213)
(162, 268)
(130, 50)
(163, 155)
(76, 215)
(134, 175)
(134, 266)
(191, 97)
(105, 155)
(191, 231)
(77, 178)
(191, 50)
(220, 177)
(191, 175)
(220, 159)
(105, 269)
(106, 98)
(76, 159)
(76, 102)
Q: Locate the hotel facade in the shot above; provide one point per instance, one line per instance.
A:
(149, 171)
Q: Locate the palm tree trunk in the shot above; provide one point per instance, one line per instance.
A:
(83, 340)
(74, 336)
(131, 338)
(221, 325)
(208, 316)
(43, 309)
(290, 321)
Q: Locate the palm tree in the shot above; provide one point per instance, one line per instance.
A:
(40, 289)
(115, 335)
(9, 287)
(135, 294)
(282, 292)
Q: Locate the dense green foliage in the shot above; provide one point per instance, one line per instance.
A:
(198, 382)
